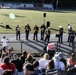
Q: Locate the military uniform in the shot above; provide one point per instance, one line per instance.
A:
(27, 30)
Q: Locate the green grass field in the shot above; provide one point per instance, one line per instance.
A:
(32, 17)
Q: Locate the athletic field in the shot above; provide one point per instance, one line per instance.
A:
(35, 17)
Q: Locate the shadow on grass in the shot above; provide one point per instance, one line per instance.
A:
(2, 26)
(5, 27)
(15, 15)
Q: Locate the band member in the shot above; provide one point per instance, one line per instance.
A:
(47, 35)
(43, 27)
(17, 32)
(69, 33)
(36, 29)
(27, 31)
(72, 37)
(60, 34)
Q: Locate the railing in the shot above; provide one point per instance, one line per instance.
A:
(38, 45)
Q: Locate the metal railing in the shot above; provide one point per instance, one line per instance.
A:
(22, 45)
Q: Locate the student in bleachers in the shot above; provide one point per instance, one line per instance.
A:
(9, 53)
(3, 50)
(61, 54)
(18, 63)
(59, 64)
(29, 59)
(36, 68)
(1, 71)
(72, 60)
(50, 49)
(2, 58)
(7, 72)
(51, 69)
(7, 65)
(28, 69)
(71, 71)
(43, 61)
(23, 56)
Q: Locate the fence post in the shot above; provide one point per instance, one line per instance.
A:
(73, 47)
(57, 45)
(21, 48)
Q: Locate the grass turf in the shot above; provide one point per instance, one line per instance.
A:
(35, 17)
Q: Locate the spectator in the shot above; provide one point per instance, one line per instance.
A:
(28, 69)
(27, 30)
(18, 63)
(51, 70)
(9, 53)
(51, 49)
(2, 57)
(1, 71)
(59, 64)
(7, 72)
(8, 65)
(72, 60)
(61, 54)
(43, 61)
(4, 50)
(4, 41)
(71, 71)
(23, 56)
(29, 59)
(36, 66)
(17, 32)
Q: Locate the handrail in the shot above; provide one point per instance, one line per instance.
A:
(58, 45)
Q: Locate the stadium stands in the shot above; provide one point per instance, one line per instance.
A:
(25, 5)
(29, 6)
(48, 6)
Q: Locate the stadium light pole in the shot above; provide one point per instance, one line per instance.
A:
(57, 4)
